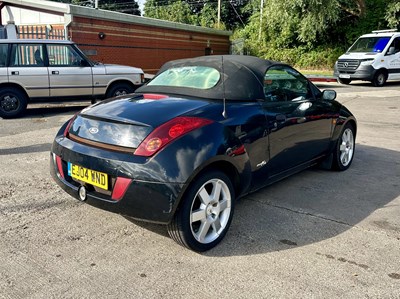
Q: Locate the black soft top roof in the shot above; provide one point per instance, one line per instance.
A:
(242, 77)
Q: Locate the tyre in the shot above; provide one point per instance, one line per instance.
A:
(379, 79)
(344, 81)
(13, 102)
(119, 89)
(344, 151)
(205, 214)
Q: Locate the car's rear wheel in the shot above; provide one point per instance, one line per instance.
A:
(345, 147)
(13, 102)
(205, 214)
(119, 89)
(379, 79)
(344, 81)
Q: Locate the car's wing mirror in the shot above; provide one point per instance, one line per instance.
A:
(84, 63)
(329, 95)
(390, 51)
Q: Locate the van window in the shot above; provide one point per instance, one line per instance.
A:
(3, 54)
(27, 55)
(370, 44)
(396, 45)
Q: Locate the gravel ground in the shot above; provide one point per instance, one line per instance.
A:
(318, 234)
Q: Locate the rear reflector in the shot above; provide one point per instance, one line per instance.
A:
(59, 166)
(120, 187)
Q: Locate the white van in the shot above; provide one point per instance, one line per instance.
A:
(373, 57)
(56, 70)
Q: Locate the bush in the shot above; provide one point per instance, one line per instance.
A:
(300, 57)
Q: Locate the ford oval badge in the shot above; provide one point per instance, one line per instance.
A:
(93, 130)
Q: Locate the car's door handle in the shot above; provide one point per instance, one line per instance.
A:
(280, 117)
(14, 73)
(55, 72)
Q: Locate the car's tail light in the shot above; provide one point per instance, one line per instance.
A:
(120, 187)
(167, 132)
(69, 125)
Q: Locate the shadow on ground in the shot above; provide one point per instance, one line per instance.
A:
(38, 110)
(311, 206)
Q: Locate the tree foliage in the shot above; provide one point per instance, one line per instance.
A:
(301, 32)
(200, 12)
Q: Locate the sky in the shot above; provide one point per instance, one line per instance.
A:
(141, 5)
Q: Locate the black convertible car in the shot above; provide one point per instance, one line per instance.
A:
(204, 132)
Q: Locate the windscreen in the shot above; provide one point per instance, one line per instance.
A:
(370, 44)
(109, 132)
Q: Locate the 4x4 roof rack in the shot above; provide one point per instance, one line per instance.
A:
(384, 31)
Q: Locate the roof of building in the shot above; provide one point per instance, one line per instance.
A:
(75, 10)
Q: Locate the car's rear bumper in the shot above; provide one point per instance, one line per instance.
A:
(143, 200)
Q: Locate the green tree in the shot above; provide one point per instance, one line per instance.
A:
(393, 14)
(170, 10)
(200, 12)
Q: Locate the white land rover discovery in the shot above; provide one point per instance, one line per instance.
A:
(56, 70)
(373, 57)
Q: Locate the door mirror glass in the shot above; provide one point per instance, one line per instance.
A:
(329, 95)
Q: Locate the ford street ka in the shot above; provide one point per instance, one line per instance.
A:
(204, 132)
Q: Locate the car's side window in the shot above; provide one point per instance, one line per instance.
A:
(29, 55)
(282, 83)
(3, 54)
(63, 55)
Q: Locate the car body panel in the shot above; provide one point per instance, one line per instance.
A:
(54, 77)
(34, 80)
(254, 142)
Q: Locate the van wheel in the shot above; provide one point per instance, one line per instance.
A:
(379, 79)
(344, 81)
(13, 102)
(119, 89)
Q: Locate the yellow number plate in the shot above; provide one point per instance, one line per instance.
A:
(89, 176)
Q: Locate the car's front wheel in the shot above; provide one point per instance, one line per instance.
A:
(206, 212)
(345, 147)
(344, 81)
(13, 102)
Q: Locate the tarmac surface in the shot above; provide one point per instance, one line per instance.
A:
(318, 234)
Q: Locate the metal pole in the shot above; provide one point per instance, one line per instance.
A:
(219, 12)
(261, 17)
